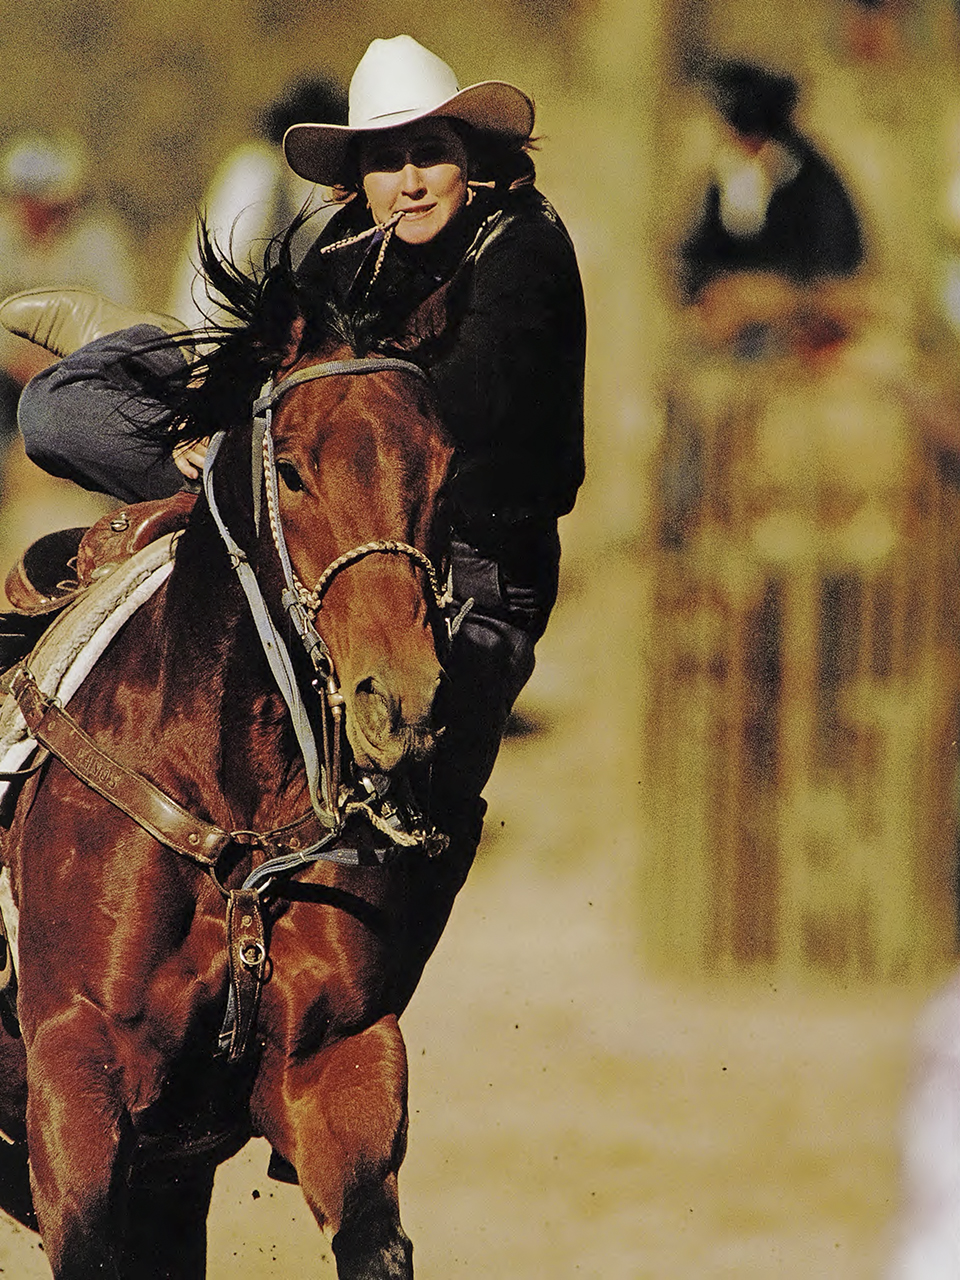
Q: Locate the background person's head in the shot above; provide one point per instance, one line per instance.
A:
(43, 177)
(757, 103)
(308, 98)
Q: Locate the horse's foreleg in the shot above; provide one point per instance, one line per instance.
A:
(371, 1244)
(14, 1172)
(75, 1125)
(15, 1198)
(167, 1225)
(341, 1119)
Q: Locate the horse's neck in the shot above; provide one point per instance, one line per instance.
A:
(215, 664)
(206, 615)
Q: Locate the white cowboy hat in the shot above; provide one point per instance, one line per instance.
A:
(397, 81)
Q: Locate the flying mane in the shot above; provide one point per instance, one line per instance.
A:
(234, 358)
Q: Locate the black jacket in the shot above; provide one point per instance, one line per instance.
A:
(508, 369)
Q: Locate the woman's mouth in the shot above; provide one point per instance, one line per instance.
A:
(418, 211)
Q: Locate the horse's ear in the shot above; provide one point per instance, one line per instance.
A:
(292, 354)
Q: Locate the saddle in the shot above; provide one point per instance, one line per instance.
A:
(60, 566)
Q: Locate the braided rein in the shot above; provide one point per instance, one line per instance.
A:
(312, 600)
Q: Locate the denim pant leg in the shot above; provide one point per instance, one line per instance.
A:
(80, 417)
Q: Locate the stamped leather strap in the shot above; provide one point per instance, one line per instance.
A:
(130, 792)
(247, 948)
(137, 797)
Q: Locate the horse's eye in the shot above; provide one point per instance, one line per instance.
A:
(290, 476)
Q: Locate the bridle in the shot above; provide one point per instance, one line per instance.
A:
(300, 603)
(309, 838)
(311, 600)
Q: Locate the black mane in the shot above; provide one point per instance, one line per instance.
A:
(236, 357)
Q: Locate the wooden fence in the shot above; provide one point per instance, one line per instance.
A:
(806, 663)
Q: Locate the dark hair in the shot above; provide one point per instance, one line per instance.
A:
(753, 99)
(504, 161)
(217, 387)
(492, 158)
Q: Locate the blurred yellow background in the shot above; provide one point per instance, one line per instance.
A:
(669, 1029)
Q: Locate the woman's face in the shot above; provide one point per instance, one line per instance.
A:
(419, 169)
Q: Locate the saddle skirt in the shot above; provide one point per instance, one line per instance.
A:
(64, 657)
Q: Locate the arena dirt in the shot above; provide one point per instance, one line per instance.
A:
(572, 1114)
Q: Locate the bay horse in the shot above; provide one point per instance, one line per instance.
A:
(289, 939)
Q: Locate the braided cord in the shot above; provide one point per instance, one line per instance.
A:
(386, 546)
(312, 600)
(386, 227)
(405, 839)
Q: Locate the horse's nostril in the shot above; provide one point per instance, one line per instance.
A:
(376, 709)
(391, 722)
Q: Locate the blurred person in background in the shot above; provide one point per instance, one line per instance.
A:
(437, 202)
(773, 217)
(773, 203)
(52, 232)
(254, 195)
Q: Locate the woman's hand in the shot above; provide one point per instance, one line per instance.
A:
(188, 458)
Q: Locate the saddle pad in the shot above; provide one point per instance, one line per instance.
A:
(64, 657)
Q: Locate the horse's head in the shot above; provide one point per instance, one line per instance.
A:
(360, 459)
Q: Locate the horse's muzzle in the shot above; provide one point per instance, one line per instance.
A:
(388, 730)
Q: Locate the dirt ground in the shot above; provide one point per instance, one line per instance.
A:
(573, 1114)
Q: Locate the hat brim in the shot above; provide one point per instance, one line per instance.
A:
(318, 152)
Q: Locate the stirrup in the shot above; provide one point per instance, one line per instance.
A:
(62, 320)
